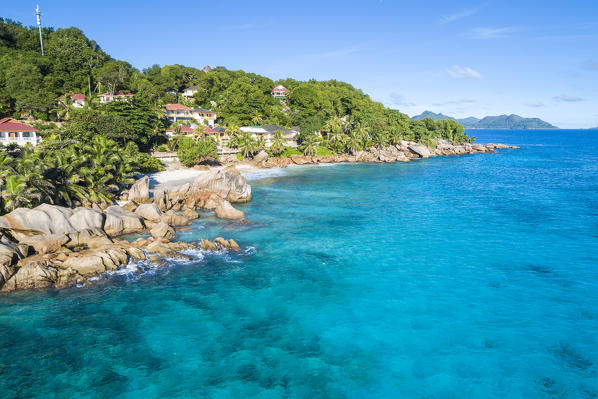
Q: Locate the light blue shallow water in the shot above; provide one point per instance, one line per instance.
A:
(454, 277)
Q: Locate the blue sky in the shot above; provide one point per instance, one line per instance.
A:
(462, 58)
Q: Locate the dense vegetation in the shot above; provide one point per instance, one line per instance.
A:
(333, 116)
(491, 122)
(65, 173)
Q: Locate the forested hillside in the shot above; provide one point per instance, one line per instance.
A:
(30, 84)
(105, 145)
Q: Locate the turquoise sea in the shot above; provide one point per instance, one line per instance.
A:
(453, 277)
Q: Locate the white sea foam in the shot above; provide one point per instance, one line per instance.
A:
(264, 173)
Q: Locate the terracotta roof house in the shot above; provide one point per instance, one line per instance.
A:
(180, 112)
(119, 96)
(186, 130)
(13, 131)
(78, 100)
(280, 92)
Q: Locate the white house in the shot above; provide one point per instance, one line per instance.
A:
(189, 92)
(78, 100)
(119, 96)
(280, 92)
(180, 112)
(12, 131)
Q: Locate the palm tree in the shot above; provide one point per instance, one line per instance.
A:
(309, 146)
(278, 144)
(353, 141)
(260, 144)
(257, 119)
(15, 193)
(64, 108)
(199, 130)
(247, 144)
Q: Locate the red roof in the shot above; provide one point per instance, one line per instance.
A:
(172, 107)
(77, 96)
(210, 131)
(280, 88)
(11, 125)
(184, 129)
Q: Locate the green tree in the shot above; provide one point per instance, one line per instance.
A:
(278, 143)
(309, 145)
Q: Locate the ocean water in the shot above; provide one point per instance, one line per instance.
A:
(453, 277)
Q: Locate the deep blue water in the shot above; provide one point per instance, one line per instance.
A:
(453, 277)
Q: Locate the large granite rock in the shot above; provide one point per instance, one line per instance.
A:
(149, 212)
(162, 200)
(162, 230)
(86, 218)
(43, 219)
(421, 150)
(260, 156)
(225, 210)
(139, 191)
(120, 221)
(35, 274)
(46, 243)
(227, 183)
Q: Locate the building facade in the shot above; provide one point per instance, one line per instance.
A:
(179, 112)
(120, 96)
(78, 100)
(189, 92)
(12, 131)
(280, 92)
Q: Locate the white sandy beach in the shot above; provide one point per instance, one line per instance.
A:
(172, 177)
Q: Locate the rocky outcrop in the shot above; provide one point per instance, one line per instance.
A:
(149, 212)
(227, 183)
(53, 246)
(139, 191)
(46, 243)
(260, 157)
(162, 230)
(421, 150)
(225, 210)
(119, 221)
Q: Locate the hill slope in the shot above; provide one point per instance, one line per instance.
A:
(492, 122)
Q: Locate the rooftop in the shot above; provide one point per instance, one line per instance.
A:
(12, 125)
(173, 107)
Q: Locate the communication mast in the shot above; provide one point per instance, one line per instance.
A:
(39, 26)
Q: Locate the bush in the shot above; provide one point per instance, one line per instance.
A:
(149, 164)
(162, 148)
(321, 151)
(190, 152)
(288, 151)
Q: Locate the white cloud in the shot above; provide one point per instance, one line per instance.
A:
(537, 104)
(399, 100)
(459, 15)
(492, 33)
(590, 65)
(568, 99)
(457, 102)
(457, 72)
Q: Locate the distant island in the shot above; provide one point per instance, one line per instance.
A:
(491, 122)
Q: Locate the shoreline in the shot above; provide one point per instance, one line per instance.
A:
(55, 247)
